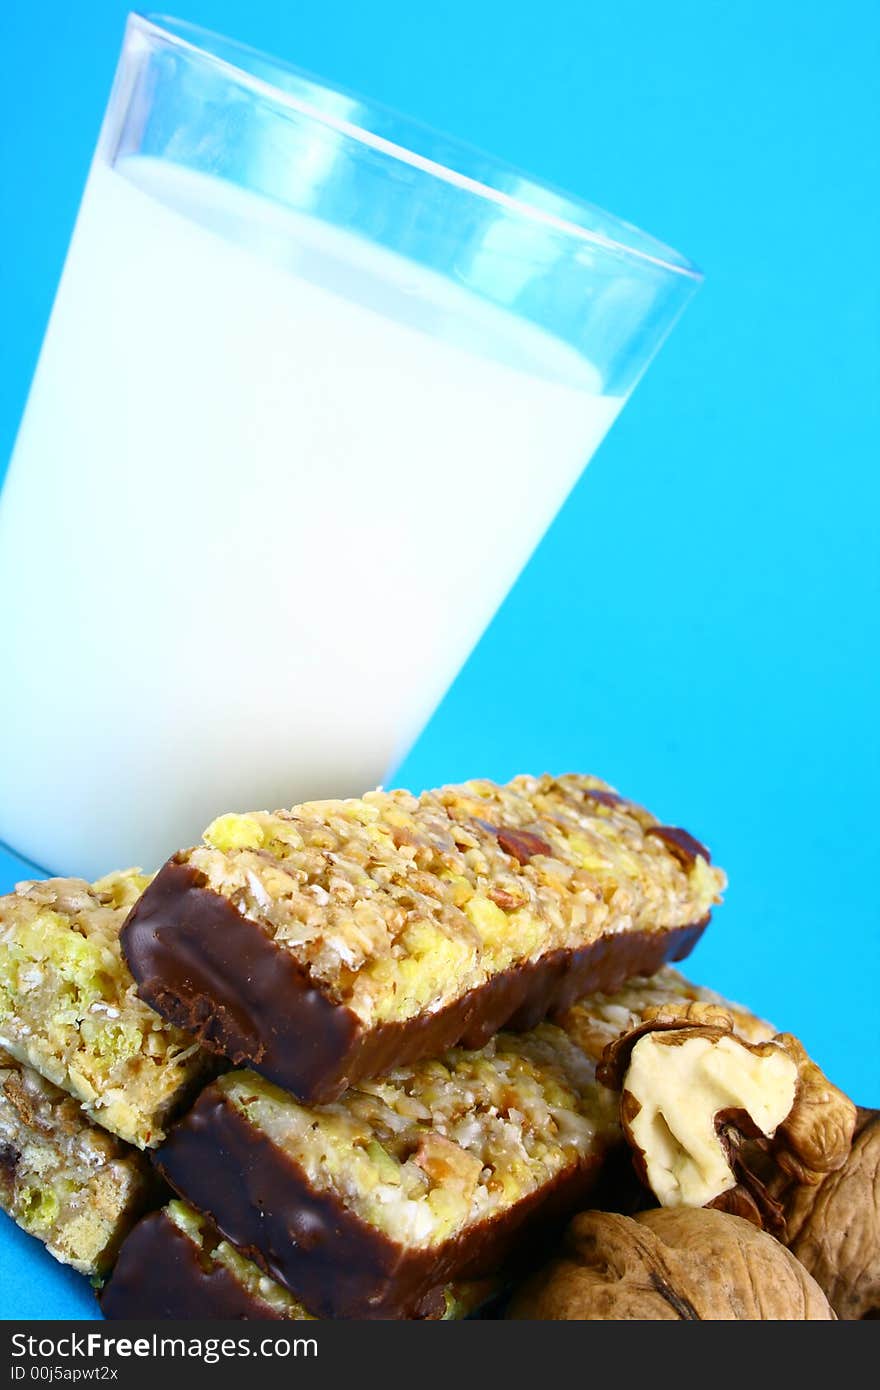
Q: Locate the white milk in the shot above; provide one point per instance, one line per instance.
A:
(254, 523)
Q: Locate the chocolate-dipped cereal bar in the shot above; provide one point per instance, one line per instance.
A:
(370, 1205)
(332, 942)
(175, 1264)
(69, 1008)
(62, 1179)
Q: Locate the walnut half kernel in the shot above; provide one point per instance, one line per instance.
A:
(681, 1088)
(713, 1118)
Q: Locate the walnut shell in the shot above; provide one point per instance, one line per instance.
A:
(671, 1264)
(834, 1229)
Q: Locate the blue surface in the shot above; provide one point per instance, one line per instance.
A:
(700, 626)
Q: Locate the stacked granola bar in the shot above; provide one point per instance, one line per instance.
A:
(63, 1179)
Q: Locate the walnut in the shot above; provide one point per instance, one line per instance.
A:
(687, 1086)
(688, 1264)
(714, 1119)
(817, 1136)
(834, 1227)
(449, 1165)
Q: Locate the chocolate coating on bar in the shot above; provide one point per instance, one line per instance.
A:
(215, 973)
(308, 1240)
(198, 960)
(159, 1274)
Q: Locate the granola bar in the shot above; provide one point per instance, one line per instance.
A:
(69, 1008)
(62, 1179)
(175, 1264)
(332, 942)
(370, 1205)
(601, 1018)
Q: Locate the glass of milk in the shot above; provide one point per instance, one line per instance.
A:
(315, 382)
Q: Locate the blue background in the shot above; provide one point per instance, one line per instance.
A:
(700, 625)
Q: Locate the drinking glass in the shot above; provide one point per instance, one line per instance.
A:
(315, 382)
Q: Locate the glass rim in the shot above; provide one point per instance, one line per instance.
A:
(192, 38)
